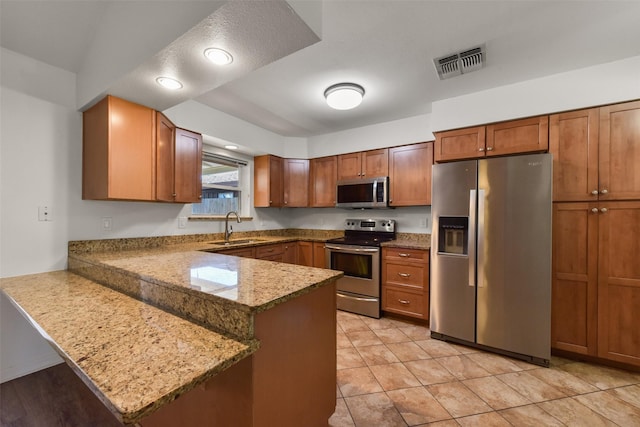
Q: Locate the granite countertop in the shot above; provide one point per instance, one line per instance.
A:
(133, 356)
(410, 241)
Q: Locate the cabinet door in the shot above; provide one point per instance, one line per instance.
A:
(518, 136)
(324, 172)
(574, 292)
(188, 166)
(165, 136)
(349, 166)
(573, 141)
(620, 151)
(290, 254)
(305, 253)
(619, 281)
(118, 151)
(318, 255)
(296, 183)
(268, 181)
(375, 163)
(410, 174)
(459, 144)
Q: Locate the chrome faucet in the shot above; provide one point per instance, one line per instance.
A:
(228, 230)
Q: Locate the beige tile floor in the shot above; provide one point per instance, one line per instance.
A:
(391, 373)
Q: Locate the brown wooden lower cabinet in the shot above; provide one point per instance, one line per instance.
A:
(241, 252)
(311, 254)
(289, 381)
(405, 282)
(596, 280)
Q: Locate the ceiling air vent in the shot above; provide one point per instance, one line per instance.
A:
(460, 63)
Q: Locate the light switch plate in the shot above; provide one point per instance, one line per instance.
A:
(182, 222)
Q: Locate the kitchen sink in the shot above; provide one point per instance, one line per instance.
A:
(236, 242)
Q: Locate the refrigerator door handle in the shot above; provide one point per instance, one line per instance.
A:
(471, 244)
(480, 255)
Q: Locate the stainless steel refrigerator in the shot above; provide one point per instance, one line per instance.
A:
(491, 254)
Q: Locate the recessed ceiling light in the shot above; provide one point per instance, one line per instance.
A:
(344, 96)
(218, 56)
(231, 147)
(169, 83)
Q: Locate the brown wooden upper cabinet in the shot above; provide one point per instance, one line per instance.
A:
(118, 151)
(132, 152)
(363, 164)
(179, 163)
(268, 181)
(410, 174)
(322, 182)
(498, 139)
(595, 153)
(296, 183)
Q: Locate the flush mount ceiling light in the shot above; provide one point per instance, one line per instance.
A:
(169, 83)
(231, 147)
(344, 96)
(218, 56)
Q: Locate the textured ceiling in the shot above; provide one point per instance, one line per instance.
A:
(282, 67)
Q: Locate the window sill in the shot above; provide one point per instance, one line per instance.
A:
(216, 218)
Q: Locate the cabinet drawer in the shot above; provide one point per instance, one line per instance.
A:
(404, 302)
(405, 274)
(276, 258)
(263, 252)
(405, 254)
(244, 252)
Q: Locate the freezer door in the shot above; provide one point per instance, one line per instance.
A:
(514, 254)
(453, 212)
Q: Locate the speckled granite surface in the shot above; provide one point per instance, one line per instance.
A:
(219, 291)
(133, 356)
(410, 241)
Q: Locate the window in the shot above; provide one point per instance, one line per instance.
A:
(221, 185)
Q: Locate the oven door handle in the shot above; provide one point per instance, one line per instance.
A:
(356, 298)
(347, 250)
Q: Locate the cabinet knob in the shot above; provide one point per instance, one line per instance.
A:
(270, 201)
(481, 149)
(404, 301)
(174, 194)
(363, 174)
(605, 191)
(594, 192)
(285, 202)
(200, 196)
(594, 210)
(489, 148)
(603, 210)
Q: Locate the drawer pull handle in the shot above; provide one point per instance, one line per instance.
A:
(404, 274)
(404, 301)
(404, 255)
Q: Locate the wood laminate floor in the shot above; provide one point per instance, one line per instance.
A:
(53, 397)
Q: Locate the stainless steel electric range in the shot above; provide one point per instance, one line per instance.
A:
(357, 254)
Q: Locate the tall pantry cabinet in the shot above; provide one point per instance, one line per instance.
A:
(596, 231)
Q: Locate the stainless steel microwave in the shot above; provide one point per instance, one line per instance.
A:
(363, 193)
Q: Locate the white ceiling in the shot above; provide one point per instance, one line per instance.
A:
(282, 67)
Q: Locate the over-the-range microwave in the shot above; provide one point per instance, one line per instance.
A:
(363, 193)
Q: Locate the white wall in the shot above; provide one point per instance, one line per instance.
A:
(601, 84)
(398, 132)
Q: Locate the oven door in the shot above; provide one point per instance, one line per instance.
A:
(361, 267)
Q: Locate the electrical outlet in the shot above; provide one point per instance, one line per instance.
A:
(423, 223)
(44, 213)
(107, 223)
(182, 222)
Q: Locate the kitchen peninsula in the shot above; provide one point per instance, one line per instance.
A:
(240, 341)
